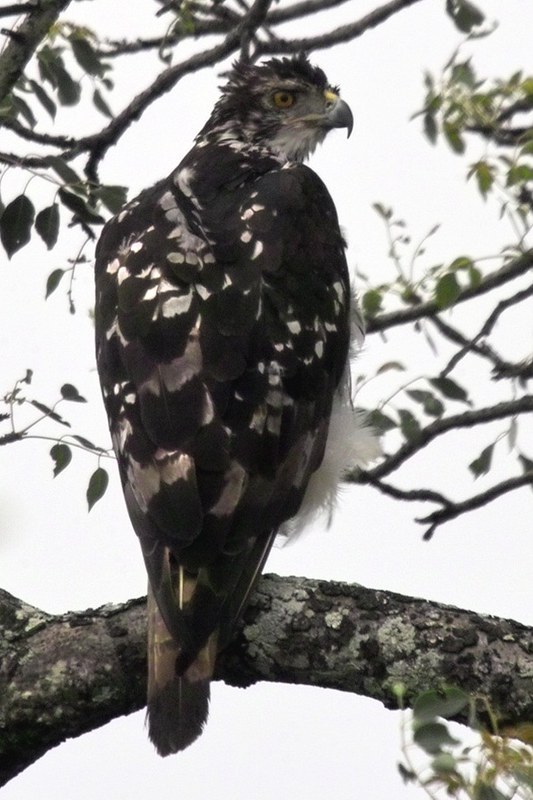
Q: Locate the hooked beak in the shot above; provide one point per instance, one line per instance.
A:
(340, 115)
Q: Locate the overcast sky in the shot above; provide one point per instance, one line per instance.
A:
(269, 741)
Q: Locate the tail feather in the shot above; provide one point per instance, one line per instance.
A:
(177, 713)
(177, 705)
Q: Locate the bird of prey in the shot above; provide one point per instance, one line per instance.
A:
(223, 326)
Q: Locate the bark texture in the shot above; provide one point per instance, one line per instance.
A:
(61, 676)
(24, 40)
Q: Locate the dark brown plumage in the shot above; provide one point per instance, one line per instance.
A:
(223, 330)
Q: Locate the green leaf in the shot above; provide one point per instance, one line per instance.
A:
(523, 774)
(62, 456)
(97, 486)
(481, 464)
(385, 213)
(444, 762)
(53, 281)
(432, 406)
(409, 425)
(21, 107)
(65, 172)
(520, 173)
(407, 774)
(527, 86)
(395, 365)
(86, 443)
(430, 127)
(451, 389)
(453, 137)
(447, 290)
(446, 702)
(49, 60)
(484, 176)
(44, 99)
(462, 262)
(464, 14)
(483, 791)
(474, 276)
(463, 73)
(86, 56)
(47, 225)
(380, 421)
(101, 105)
(68, 90)
(69, 392)
(113, 197)
(79, 206)
(372, 302)
(15, 224)
(432, 737)
(49, 412)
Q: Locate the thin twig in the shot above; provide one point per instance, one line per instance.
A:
(453, 510)
(488, 325)
(410, 495)
(515, 268)
(344, 33)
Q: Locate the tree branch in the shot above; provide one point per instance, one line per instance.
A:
(61, 676)
(453, 510)
(24, 40)
(519, 266)
(99, 143)
(450, 509)
(344, 33)
(16, 9)
(468, 419)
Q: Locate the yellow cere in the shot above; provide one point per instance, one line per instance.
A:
(330, 96)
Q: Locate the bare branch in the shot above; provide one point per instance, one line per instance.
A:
(345, 33)
(450, 510)
(61, 141)
(453, 510)
(518, 266)
(25, 39)
(15, 9)
(99, 143)
(467, 345)
(63, 675)
(475, 345)
(226, 19)
(410, 495)
(468, 419)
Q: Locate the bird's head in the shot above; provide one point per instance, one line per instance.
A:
(285, 105)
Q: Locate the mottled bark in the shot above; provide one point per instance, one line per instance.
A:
(24, 40)
(63, 675)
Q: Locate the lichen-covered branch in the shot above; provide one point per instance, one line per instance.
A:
(24, 40)
(63, 675)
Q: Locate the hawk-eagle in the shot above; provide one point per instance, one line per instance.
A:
(223, 328)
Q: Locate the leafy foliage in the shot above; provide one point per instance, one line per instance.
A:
(498, 765)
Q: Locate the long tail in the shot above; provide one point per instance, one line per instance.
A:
(177, 704)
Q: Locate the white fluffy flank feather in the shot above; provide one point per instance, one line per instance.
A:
(351, 443)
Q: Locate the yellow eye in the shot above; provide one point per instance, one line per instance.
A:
(283, 99)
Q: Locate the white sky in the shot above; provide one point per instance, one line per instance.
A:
(268, 741)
